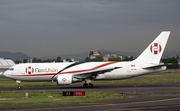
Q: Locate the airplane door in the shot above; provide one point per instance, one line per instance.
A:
(23, 70)
(129, 69)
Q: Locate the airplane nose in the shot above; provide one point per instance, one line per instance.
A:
(6, 74)
(3, 73)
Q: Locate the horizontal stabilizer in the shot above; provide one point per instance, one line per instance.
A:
(155, 67)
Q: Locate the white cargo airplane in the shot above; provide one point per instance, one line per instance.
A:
(68, 73)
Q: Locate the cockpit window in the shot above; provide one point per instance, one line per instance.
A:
(11, 69)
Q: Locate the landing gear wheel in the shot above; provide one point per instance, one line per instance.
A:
(19, 84)
(19, 87)
(90, 85)
(85, 85)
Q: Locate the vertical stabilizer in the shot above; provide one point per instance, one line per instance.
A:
(153, 53)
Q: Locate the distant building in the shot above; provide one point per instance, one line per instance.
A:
(5, 64)
(107, 56)
(93, 54)
(113, 55)
(121, 57)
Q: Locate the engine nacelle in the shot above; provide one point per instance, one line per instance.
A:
(64, 79)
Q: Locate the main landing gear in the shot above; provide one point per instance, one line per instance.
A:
(19, 84)
(88, 84)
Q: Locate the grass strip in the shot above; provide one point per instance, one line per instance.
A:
(19, 99)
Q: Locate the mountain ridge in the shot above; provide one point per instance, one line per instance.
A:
(14, 56)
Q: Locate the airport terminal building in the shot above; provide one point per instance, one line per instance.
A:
(5, 64)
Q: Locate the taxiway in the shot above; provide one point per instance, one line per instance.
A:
(164, 96)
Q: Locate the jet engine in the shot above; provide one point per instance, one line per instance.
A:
(67, 79)
(64, 79)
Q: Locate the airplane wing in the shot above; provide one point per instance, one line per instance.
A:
(88, 74)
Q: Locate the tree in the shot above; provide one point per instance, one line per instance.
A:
(39, 60)
(114, 59)
(172, 63)
(35, 60)
(25, 61)
(177, 57)
(18, 61)
(58, 59)
(98, 59)
(69, 60)
(48, 60)
(128, 58)
(54, 60)
(87, 59)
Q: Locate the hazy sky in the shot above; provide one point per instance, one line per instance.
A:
(43, 28)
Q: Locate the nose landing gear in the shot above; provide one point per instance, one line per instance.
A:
(19, 84)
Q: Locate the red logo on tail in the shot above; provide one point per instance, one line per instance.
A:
(156, 48)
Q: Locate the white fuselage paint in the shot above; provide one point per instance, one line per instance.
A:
(45, 71)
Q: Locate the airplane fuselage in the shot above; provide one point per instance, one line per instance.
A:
(45, 71)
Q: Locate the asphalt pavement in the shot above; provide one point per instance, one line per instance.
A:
(149, 97)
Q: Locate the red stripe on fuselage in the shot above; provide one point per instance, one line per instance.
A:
(97, 67)
(70, 72)
(51, 74)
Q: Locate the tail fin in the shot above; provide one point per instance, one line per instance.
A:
(153, 53)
